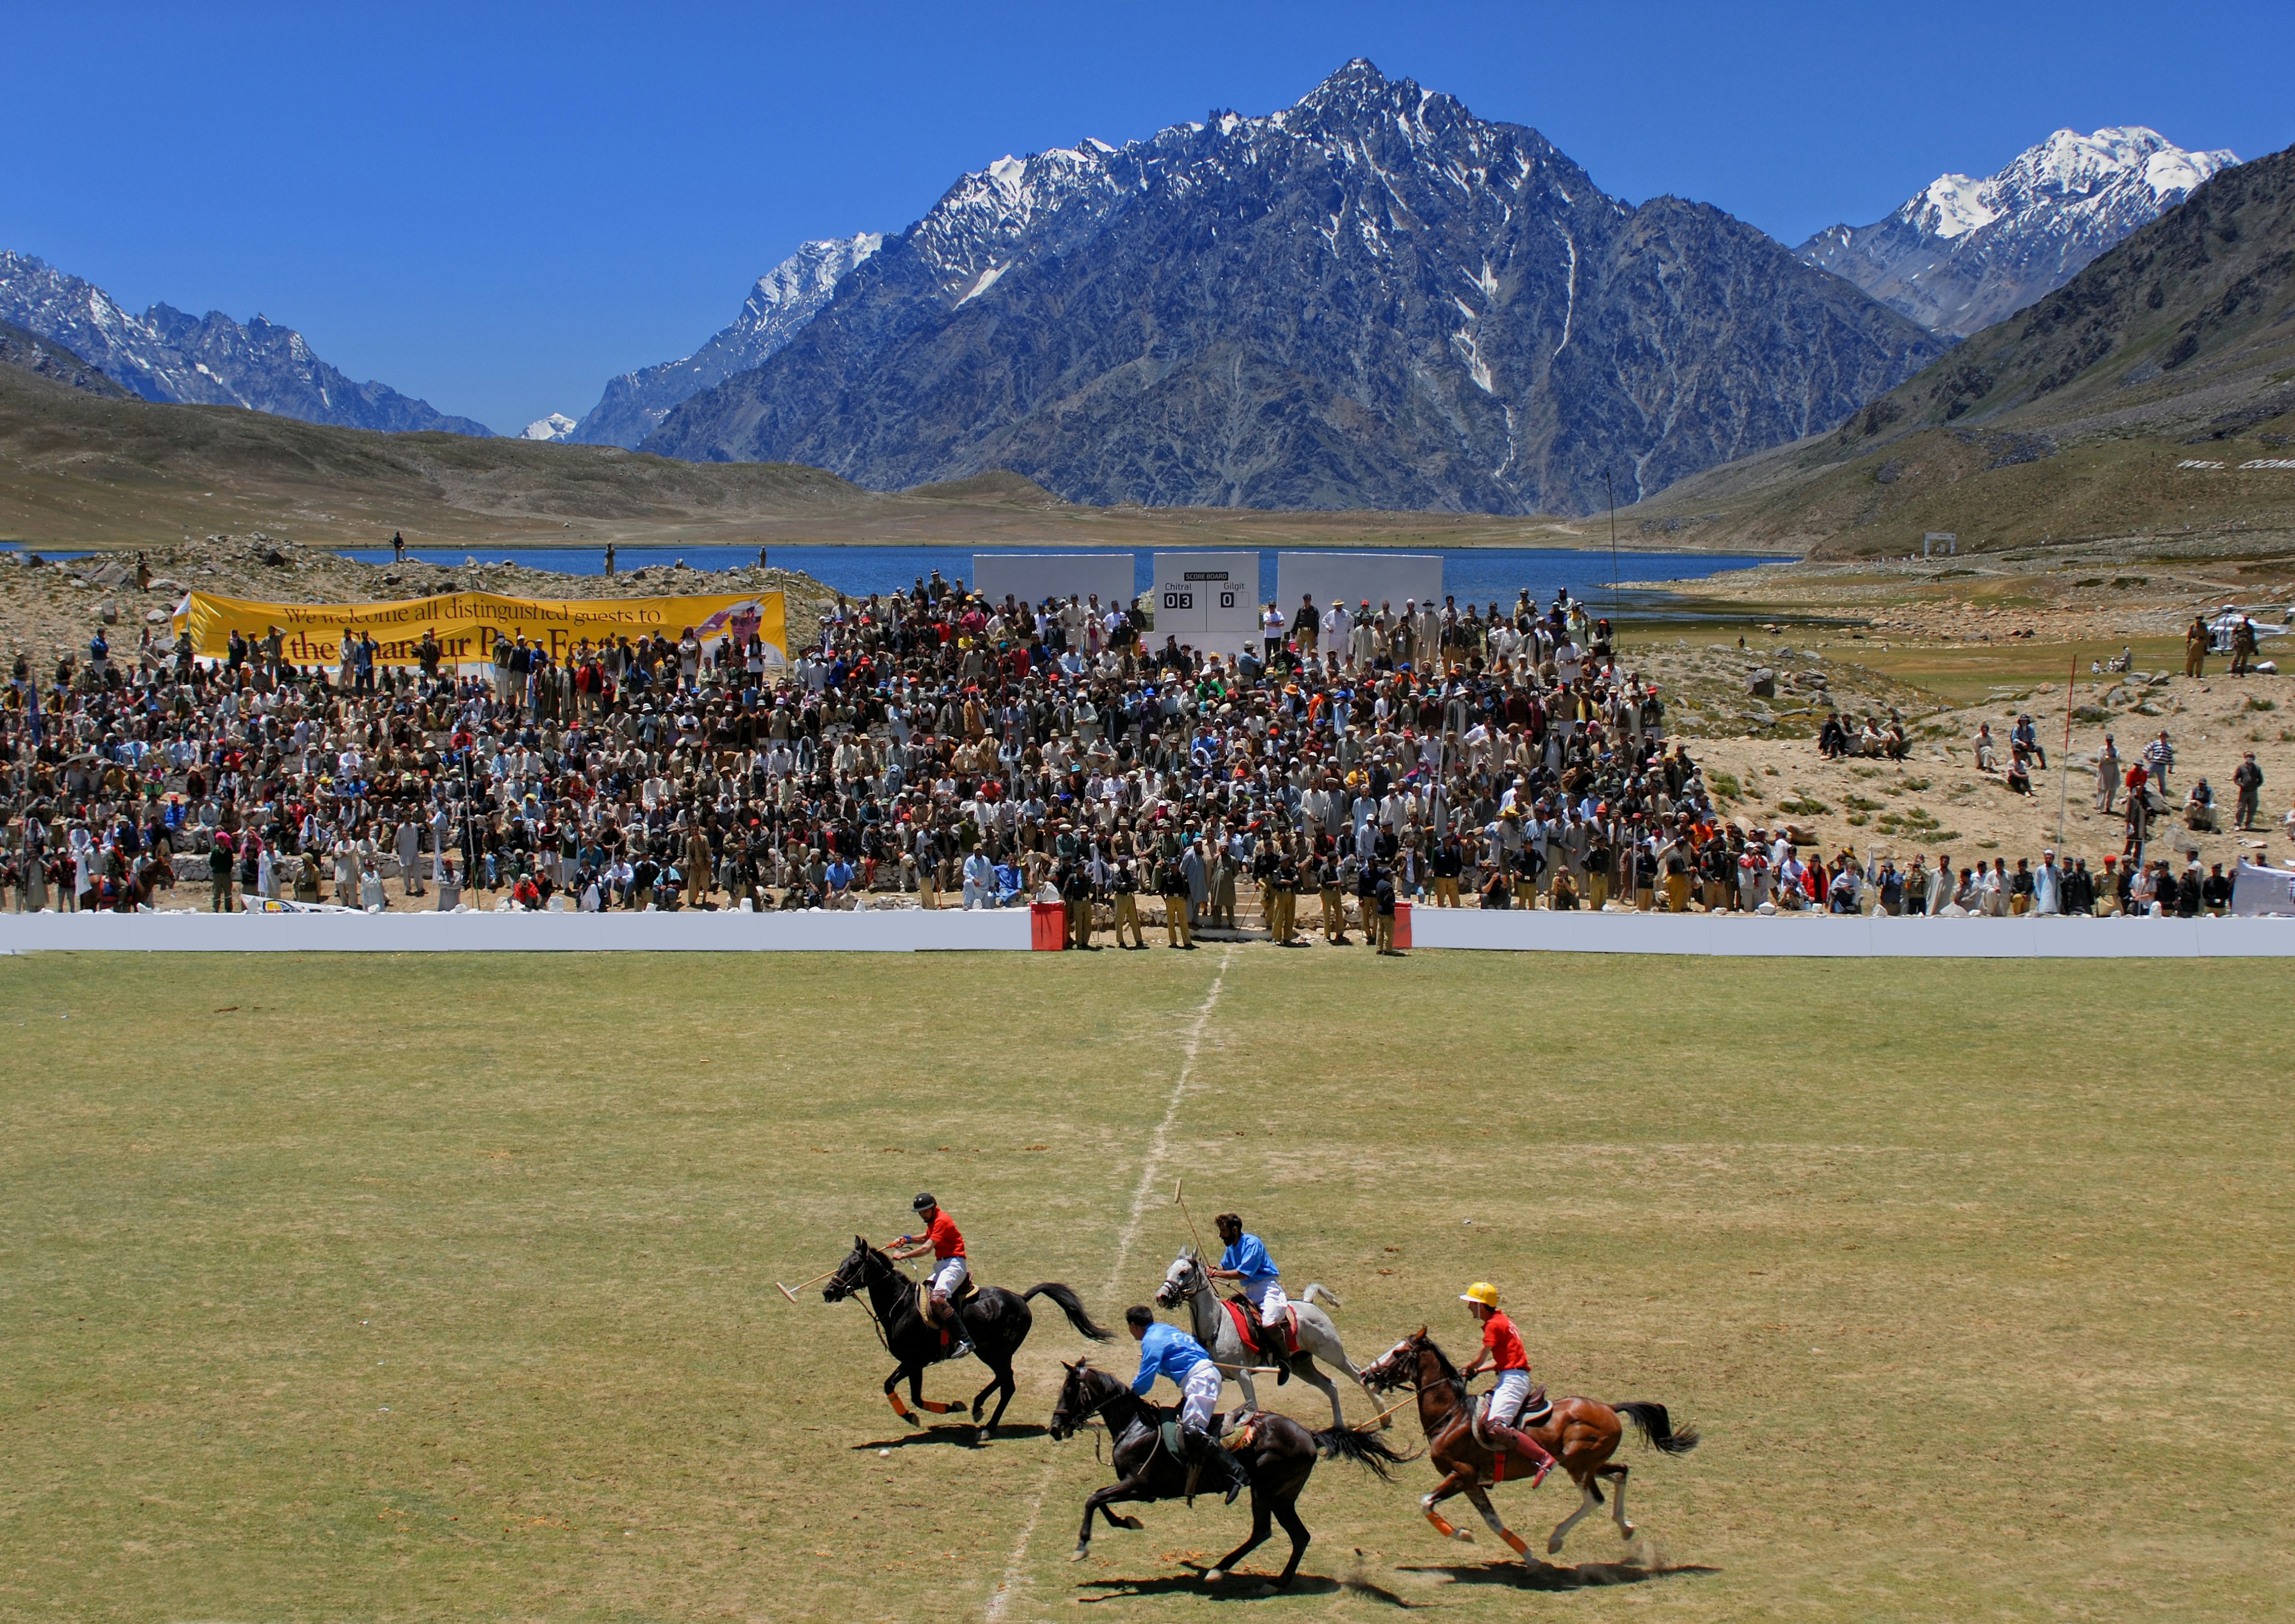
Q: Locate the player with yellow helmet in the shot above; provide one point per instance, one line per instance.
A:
(1502, 1350)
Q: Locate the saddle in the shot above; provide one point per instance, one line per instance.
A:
(1235, 1430)
(1536, 1411)
(1246, 1330)
(965, 1294)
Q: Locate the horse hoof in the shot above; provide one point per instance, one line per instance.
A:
(1553, 1547)
(1212, 1576)
(1462, 1536)
(1626, 1532)
(1133, 1523)
(1082, 1551)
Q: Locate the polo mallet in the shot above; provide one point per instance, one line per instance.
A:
(1179, 1200)
(791, 1291)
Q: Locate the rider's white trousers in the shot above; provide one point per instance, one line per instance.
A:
(1266, 1296)
(1506, 1398)
(1201, 1393)
(948, 1275)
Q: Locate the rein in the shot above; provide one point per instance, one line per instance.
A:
(875, 1320)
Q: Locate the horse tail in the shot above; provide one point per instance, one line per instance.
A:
(1320, 1293)
(1657, 1428)
(1073, 1307)
(1362, 1445)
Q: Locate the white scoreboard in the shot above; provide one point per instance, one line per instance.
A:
(1208, 601)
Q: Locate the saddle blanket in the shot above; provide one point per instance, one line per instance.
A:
(1240, 1312)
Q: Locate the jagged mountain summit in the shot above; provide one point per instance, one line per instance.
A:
(557, 426)
(784, 299)
(1964, 253)
(1370, 299)
(164, 355)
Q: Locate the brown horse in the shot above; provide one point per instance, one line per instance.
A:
(1580, 1434)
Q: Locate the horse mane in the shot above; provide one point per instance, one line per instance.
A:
(1443, 1362)
(1106, 1390)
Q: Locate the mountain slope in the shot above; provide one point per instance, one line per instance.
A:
(1965, 253)
(164, 355)
(1371, 300)
(29, 353)
(785, 298)
(2155, 389)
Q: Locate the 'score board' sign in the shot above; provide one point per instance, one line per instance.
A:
(1208, 601)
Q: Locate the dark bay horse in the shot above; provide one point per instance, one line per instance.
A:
(1581, 1433)
(1279, 1457)
(996, 1320)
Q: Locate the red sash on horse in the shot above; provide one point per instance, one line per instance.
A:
(1245, 1328)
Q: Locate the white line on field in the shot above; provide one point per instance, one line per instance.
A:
(1002, 1596)
(1156, 1145)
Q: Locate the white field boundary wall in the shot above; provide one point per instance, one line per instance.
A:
(1848, 935)
(888, 931)
(1354, 578)
(1031, 577)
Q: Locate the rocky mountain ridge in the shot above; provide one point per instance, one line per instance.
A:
(167, 354)
(783, 300)
(1966, 252)
(1370, 299)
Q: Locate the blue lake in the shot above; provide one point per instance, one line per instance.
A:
(1476, 574)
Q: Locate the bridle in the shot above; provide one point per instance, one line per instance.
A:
(1075, 1423)
(858, 1291)
(1193, 1284)
(1456, 1382)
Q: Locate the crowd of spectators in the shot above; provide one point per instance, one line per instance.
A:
(933, 747)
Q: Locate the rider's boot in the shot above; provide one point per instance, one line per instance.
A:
(1523, 1443)
(953, 1327)
(1206, 1450)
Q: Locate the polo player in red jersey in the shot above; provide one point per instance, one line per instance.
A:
(945, 1242)
(1502, 1350)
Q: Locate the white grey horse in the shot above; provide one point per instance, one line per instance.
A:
(1214, 1328)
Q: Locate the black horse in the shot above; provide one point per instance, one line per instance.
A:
(1278, 1459)
(996, 1320)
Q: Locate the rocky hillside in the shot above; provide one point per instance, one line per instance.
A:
(2154, 393)
(164, 355)
(29, 353)
(1965, 253)
(785, 298)
(1371, 300)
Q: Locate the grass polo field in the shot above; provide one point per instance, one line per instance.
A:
(429, 1288)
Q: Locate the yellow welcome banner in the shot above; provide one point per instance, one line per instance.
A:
(467, 623)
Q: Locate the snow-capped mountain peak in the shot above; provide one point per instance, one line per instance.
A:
(557, 426)
(1952, 206)
(1369, 297)
(780, 303)
(167, 354)
(1967, 251)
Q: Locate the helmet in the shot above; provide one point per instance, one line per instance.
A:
(1482, 1292)
(924, 1202)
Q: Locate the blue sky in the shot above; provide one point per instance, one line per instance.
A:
(497, 210)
